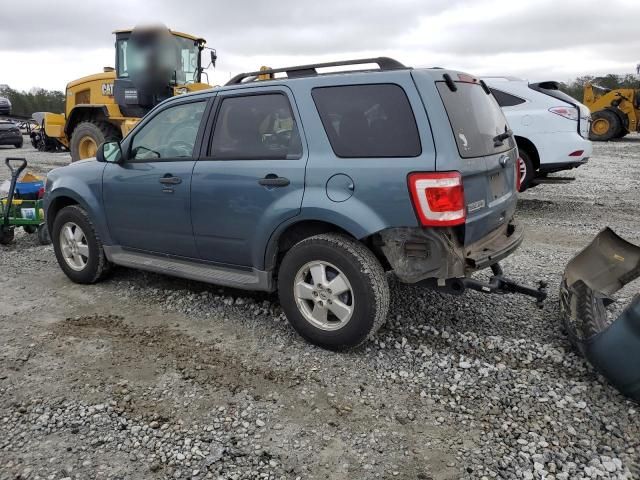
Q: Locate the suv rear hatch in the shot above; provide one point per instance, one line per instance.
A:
(552, 89)
(484, 153)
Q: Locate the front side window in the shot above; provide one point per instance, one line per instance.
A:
(256, 127)
(368, 120)
(170, 134)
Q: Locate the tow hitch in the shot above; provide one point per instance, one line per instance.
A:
(498, 284)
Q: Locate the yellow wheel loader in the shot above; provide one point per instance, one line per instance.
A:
(614, 113)
(152, 64)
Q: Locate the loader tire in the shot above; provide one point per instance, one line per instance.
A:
(605, 125)
(88, 136)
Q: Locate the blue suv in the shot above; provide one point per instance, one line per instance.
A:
(309, 183)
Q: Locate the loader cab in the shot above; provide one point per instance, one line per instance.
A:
(151, 64)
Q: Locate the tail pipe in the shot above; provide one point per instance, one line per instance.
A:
(611, 345)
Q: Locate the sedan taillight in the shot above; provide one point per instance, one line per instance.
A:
(438, 198)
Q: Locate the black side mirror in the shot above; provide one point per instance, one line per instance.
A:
(109, 152)
(214, 57)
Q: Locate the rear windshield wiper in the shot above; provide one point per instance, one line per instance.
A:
(498, 139)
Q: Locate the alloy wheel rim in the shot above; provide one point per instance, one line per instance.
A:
(324, 295)
(523, 171)
(74, 246)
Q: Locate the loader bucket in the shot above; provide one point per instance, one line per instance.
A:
(611, 345)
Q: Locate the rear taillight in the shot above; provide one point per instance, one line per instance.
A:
(577, 153)
(567, 112)
(438, 198)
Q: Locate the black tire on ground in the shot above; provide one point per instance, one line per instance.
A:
(527, 170)
(605, 118)
(99, 132)
(6, 235)
(43, 234)
(368, 296)
(30, 229)
(622, 133)
(97, 265)
(18, 145)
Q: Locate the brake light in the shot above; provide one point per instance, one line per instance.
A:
(438, 198)
(463, 77)
(577, 153)
(567, 112)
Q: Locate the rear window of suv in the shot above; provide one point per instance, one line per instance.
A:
(368, 120)
(476, 119)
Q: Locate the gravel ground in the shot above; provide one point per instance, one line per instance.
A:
(145, 376)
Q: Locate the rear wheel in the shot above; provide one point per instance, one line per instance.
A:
(87, 137)
(527, 170)
(333, 291)
(605, 125)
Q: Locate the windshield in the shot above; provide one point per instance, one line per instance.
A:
(476, 120)
(181, 56)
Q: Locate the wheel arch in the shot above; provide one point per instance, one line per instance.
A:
(529, 147)
(296, 230)
(85, 112)
(63, 197)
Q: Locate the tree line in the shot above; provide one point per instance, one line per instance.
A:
(610, 81)
(37, 100)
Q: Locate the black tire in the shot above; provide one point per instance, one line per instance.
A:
(527, 170)
(43, 234)
(368, 294)
(99, 132)
(605, 117)
(18, 145)
(6, 235)
(96, 266)
(30, 229)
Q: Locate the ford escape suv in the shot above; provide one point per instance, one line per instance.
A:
(309, 183)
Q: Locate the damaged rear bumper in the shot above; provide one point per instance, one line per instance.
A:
(417, 254)
(611, 345)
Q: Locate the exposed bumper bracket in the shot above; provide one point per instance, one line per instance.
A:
(498, 283)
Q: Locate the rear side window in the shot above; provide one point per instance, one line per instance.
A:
(368, 120)
(476, 119)
(256, 127)
(506, 99)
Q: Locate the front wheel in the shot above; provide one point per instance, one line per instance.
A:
(77, 246)
(333, 291)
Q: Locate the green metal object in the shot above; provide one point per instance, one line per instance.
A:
(28, 214)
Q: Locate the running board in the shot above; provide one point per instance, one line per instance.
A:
(202, 272)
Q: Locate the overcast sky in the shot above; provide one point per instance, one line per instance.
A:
(47, 44)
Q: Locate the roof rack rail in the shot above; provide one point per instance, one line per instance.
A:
(384, 63)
